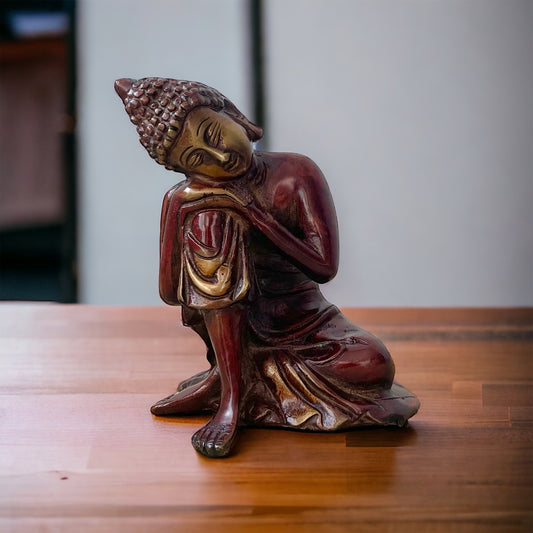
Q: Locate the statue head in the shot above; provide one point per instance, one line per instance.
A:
(189, 127)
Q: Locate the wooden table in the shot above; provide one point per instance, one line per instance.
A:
(80, 450)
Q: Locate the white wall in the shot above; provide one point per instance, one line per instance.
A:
(120, 187)
(419, 112)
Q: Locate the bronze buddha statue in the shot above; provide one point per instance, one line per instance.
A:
(246, 239)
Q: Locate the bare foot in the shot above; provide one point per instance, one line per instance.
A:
(193, 380)
(215, 439)
(198, 397)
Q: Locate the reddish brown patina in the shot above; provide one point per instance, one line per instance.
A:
(246, 240)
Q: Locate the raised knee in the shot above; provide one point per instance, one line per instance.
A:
(383, 367)
(366, 363)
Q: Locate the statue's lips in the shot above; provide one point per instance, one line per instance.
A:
(233, 162)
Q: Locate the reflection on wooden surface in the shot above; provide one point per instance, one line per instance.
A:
(81, 452)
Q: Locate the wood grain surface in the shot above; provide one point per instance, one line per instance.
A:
(80, 451)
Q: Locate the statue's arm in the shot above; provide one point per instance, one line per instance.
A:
(169, 257)
(312, 240)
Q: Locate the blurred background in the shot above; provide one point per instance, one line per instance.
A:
(419, 113)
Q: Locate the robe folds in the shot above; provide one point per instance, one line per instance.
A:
(215, 271)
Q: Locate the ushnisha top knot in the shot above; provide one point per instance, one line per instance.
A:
(158, 108)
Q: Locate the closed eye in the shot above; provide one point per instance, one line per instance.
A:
(195, 158)
(212, 134)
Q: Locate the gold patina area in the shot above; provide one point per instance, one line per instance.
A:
(219, 272)
(212, 144)
(193, 192)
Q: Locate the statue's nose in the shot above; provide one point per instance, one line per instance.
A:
(122, 86)
(218, 155)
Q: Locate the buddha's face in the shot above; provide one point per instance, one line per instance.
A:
(212, 144)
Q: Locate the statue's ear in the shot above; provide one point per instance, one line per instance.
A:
(254, 132)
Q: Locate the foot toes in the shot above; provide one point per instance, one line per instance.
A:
(214, 440)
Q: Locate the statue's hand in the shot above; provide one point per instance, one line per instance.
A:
(194, 191)
(210, 200)
(241, 195)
